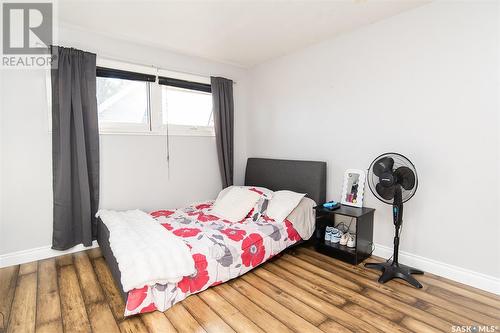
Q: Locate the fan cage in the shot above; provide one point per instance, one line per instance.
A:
(399, 160)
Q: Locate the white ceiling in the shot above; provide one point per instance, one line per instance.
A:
(243, 33)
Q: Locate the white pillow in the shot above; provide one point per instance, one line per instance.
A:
(265, 192)
(260, 207)
(282, 204)
(235, 204)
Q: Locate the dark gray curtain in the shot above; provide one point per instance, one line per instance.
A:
(223, 105)
(75, 148)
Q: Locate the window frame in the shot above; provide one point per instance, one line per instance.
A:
(124, 71)
(199, 83)
(155, 124)
(123, 127)
(187, 130)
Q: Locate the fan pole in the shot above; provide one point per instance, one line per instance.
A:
(397, 212)
(393, 269)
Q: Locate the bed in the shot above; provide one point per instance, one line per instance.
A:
(221, 250)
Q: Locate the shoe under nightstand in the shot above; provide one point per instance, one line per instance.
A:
(363, 226)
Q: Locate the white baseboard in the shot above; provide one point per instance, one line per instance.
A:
(39, 253)
(455, 273)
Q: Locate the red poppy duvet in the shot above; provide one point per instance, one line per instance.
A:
(221, 251)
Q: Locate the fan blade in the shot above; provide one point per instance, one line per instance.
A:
(383, 165)
(385, 192)
(406, 177)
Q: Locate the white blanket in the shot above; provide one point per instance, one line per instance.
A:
(146, 252)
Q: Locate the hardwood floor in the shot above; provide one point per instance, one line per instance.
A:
(302, 291)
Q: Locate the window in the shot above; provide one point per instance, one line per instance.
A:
(123, 100)
(186, 106)
(133, 102)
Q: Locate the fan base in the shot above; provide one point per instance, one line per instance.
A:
(391, 270)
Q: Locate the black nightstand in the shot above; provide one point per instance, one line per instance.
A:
(363, 226)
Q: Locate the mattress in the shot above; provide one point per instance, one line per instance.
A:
(221, 251)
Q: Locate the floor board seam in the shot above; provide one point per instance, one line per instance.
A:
(282, 306)
(227, 300)
(36, 292)
(227, 323)
(77, 273)
(106, 298)
(284, 292)
(13, 297)
(291, 328)
(341, 307)
(420, 303)
(59, 292)
(194, 317)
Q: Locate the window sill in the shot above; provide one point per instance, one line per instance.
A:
(171, 133)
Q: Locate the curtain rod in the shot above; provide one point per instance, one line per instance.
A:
(155, 67)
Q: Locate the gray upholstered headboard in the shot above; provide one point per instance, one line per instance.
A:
(298, 176)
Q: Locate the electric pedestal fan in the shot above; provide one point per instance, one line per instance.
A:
(392, 178)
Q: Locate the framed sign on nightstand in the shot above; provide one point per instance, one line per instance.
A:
(354, 188)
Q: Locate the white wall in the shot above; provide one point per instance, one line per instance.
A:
(423, 83)
(134, 172)
(26, 162)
